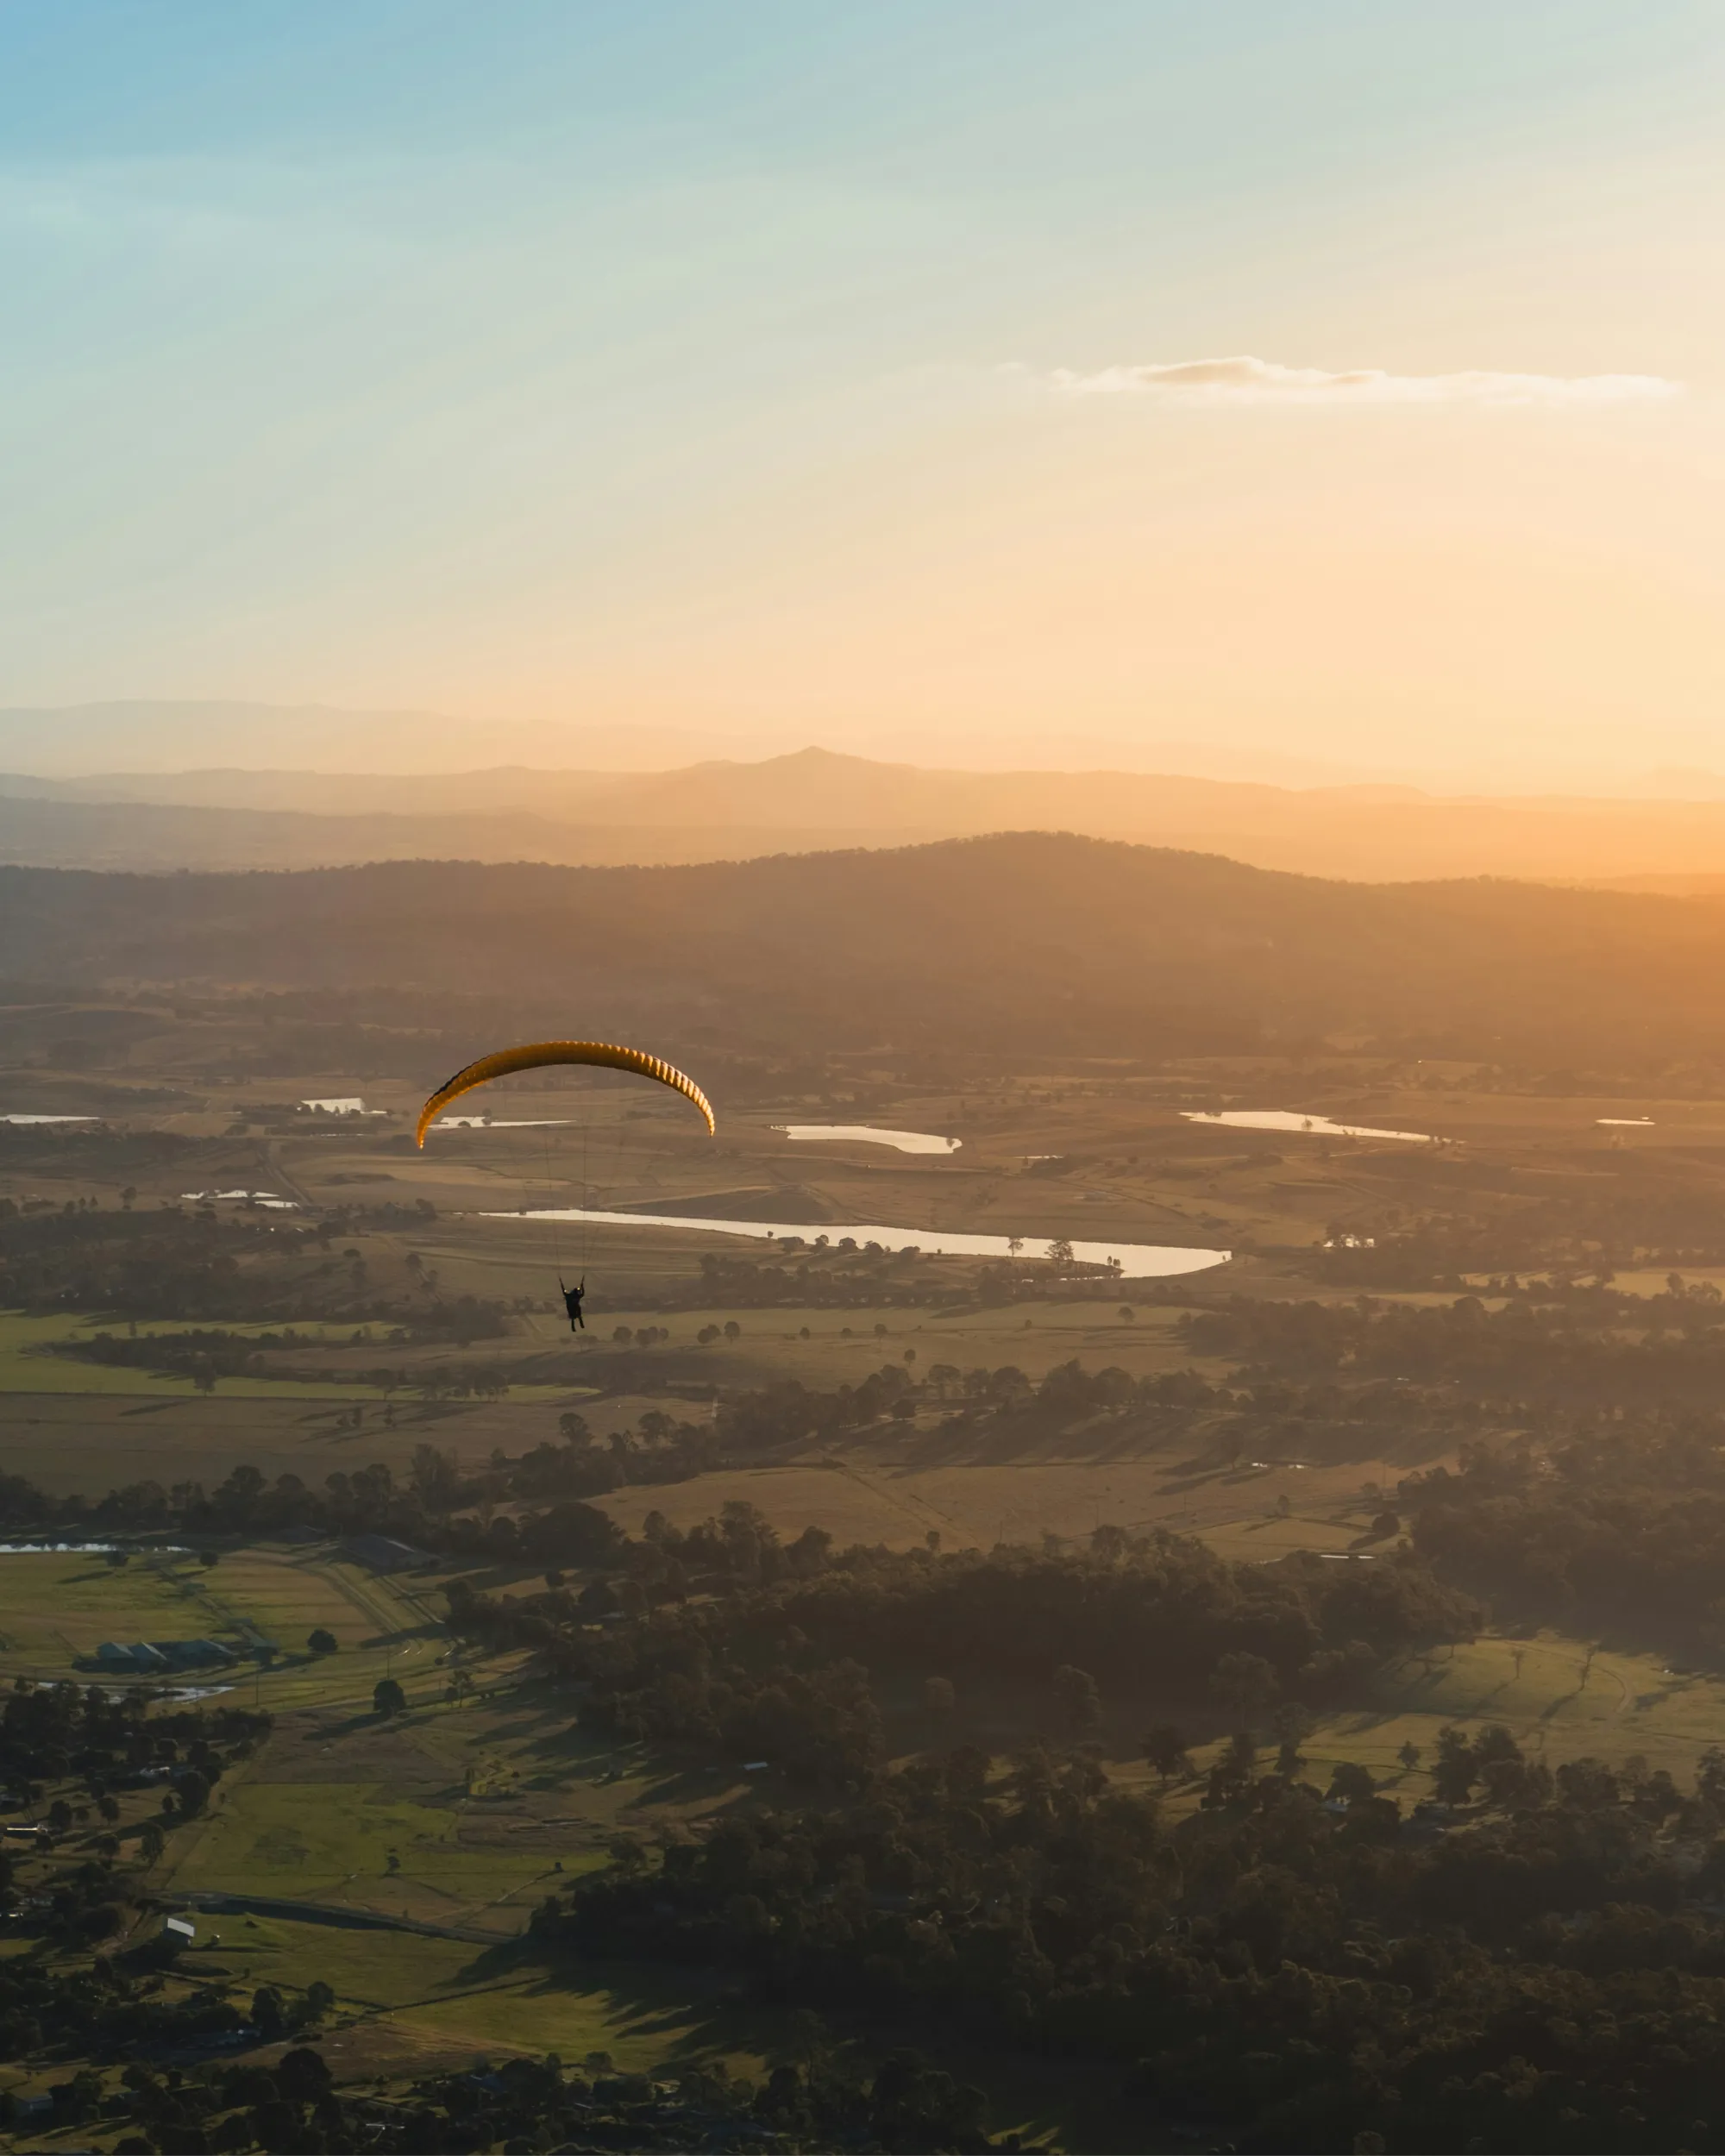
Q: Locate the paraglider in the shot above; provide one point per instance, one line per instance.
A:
(537, 1056)
(540, 1054)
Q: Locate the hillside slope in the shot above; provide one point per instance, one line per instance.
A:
(1030, 940)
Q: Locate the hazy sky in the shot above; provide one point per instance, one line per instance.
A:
(803, 372)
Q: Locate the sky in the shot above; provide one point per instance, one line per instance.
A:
(1342, 381)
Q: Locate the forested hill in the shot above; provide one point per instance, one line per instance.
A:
(1028, 941)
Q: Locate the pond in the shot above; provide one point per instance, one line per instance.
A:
(270, 1200)
(50, 1119)
(498, 1123)
(870, 1134)
(1306, 1125)
(1138, 1260)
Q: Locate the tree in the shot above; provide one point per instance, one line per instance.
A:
(1060, 1252)
(1244, 1682)
(1164, 1747)
(1351, 1783)
(388, 1698)
(938, 1696)
(301, 2073)
(320, 1999)
(1455, 1771)
(1410, 1755)
(192, 1789)
(1234, 1770)
(1294, 1724)
(1080, 1703)
(322, 1642)
(733, 1332)
(269, 2015)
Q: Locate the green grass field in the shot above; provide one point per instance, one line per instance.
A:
(54, 1607)
(22, 1371)
(868, 1494)
(331, 1842)
(407, 2002)
(1542, 1690)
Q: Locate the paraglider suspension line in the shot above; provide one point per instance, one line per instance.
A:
(551, 1208)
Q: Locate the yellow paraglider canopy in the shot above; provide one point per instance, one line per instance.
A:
(541, 1053)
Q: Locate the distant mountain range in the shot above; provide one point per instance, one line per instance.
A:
(1032, 944)
(814, 800)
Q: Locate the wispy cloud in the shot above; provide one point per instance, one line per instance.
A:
(1248, 381)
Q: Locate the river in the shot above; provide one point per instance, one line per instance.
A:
(1304, 1125)
(1138, 1260)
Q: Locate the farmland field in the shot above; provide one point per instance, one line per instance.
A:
(397, 1856)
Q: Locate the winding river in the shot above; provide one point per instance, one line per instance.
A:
(1137, 1260)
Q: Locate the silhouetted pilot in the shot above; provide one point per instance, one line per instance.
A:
(572, 1303)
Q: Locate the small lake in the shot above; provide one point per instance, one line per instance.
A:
(498, 1123)
(50, 1119)
(869, 1134)
(268, 1198)
(1304, 1125)
(1626, 1122)
(1139, 1261)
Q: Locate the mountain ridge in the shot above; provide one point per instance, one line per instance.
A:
(815, 798)
(1064, 944)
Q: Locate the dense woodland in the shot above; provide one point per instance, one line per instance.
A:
(188, 1262)
(795, 1661)
(1572, 1343)
(1093, 947)
(1279, 1971)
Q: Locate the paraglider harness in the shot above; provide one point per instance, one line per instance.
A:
(572, 1303)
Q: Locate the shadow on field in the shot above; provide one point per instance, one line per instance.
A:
(688, 2013)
